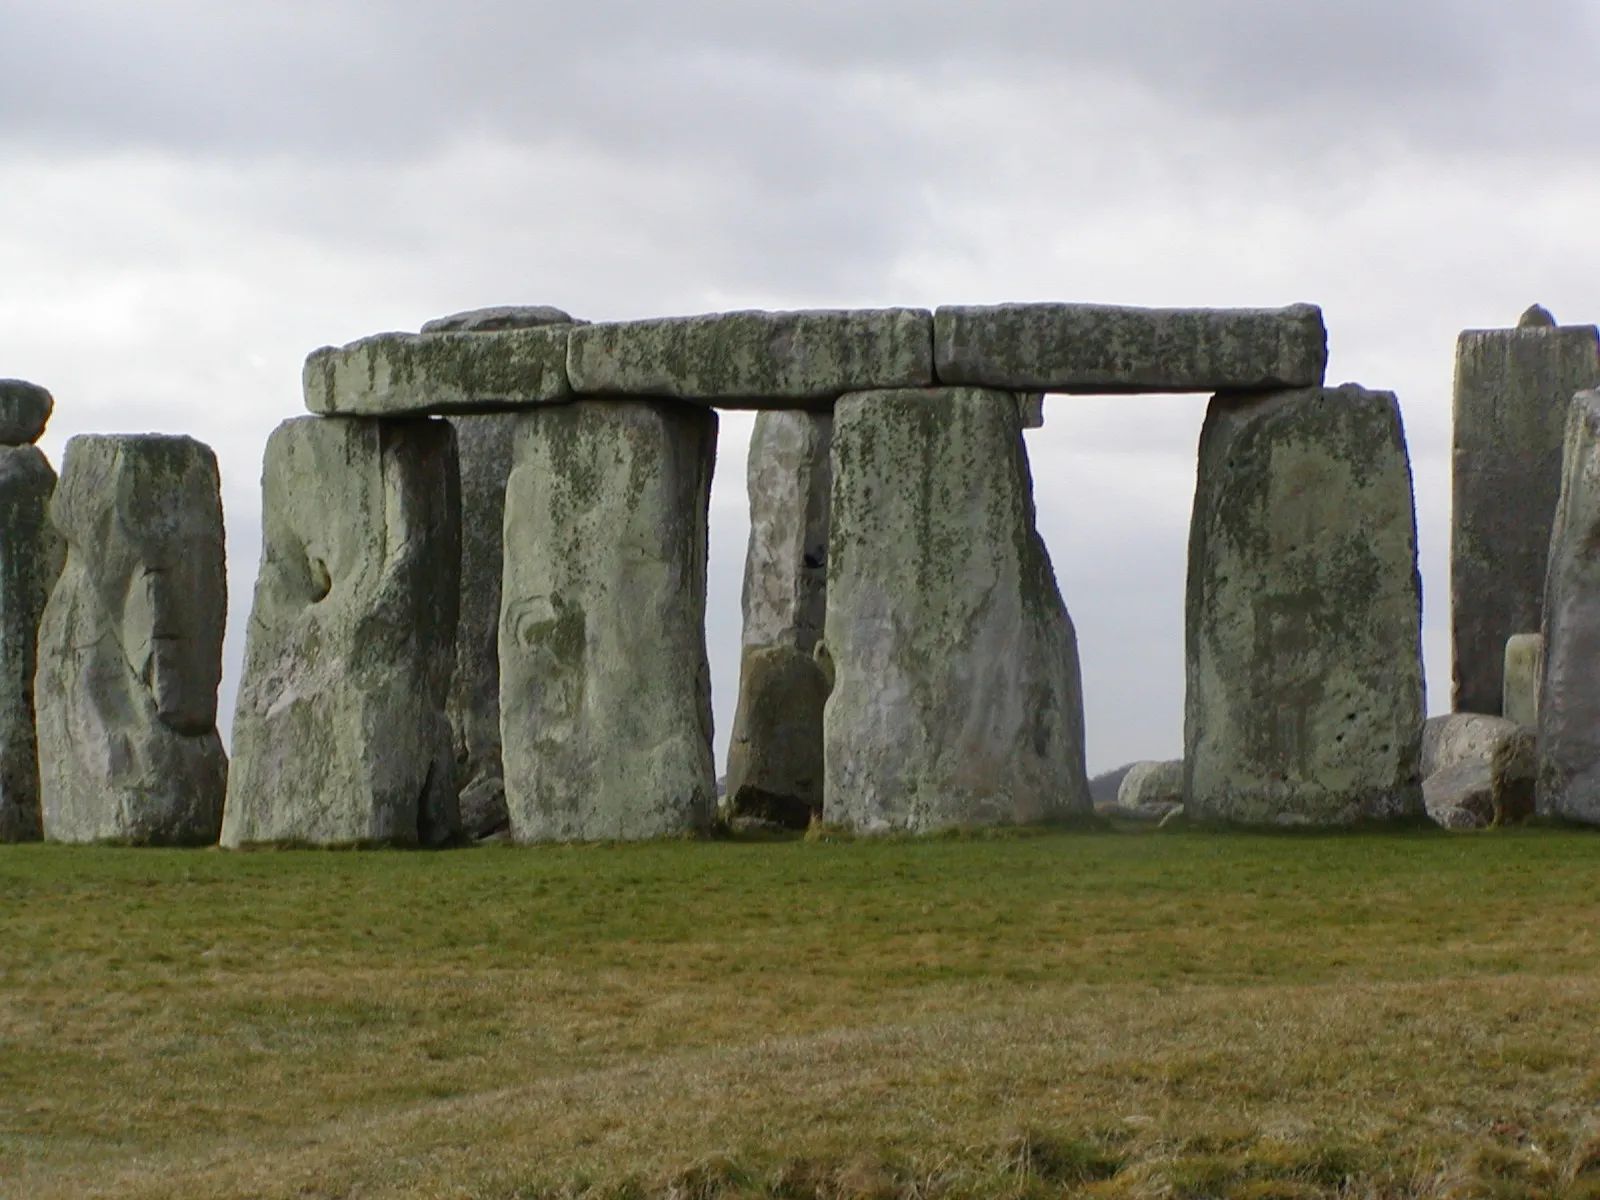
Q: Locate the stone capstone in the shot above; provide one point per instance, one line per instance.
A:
(605, 694)
(31, 552)
(775, 767)
(1512, 391)
(1102, 348)
(341, 735)
(416, 374)
(755, 359)
(492, 320)
(1151, 790)
(24, 411)
(1519, 691)
(956, 697)
(1477, 770)
(1303, 615)
(130, 646)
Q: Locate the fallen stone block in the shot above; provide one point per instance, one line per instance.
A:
(1156, 786)
(1477, 770)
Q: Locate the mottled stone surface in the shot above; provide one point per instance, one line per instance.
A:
(956, 696)
(412, 374)
(1476, 770)
(1512, 390)
(775, 755)
(1569, 699)
(605, 693)
(1303, 616)
(341, 736)
(1103, 348)
(24, 410)
(1152, 783)
(30, 560)
(755, 359)
(494, 319)
(130, 645)
(1519, 689)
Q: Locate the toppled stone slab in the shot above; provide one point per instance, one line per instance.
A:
(1477, 770)
(24, 411)
(956, 694)
(1103, 348)
(130, 646)
(605, 692)
(1519, 690)
(1512, 391)
(1569, 699)
(417, 374)
(1304, 662)
(494, 319)
(340, 736)
(755, 359)
(775, 756)
(1154, 787)
(31, 552)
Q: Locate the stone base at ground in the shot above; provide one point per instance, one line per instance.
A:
(1477, 770)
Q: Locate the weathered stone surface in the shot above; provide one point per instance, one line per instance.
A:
(24, 410)
(130, 645)
(494, 319)
(1303, 618)
(1519, 690)
(1477, 769)
(1569, 697)
(1150, 784)
(755, 359)
(775, 755)
(1103, 348)
(956, 697)
(340, 735)
(605, 693)
(413, 374)
(30, 560)
(1512, 390)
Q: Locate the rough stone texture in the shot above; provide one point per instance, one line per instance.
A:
(1569, 696)
(30, 560)
(492, 320)
(756, 359)
(1512, 390)
(1477, 769)
(130, 646)
(340, 736)
(1030, 408)
(775, 756)
(956, 697)
(1304, 663)
(24, 410)
(1519, 691)
(413, 374)
(605, 694)
(1152, 783)
(1102, 348)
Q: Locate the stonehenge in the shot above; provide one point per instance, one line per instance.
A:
(1477, 770)
(130, 646)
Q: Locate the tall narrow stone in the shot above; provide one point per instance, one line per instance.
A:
(1304, 663)
(1569, 698)
(130, 645)
(605, 693)
(1524, 667)
(956, 693)
(775, 756)
(341, 735)
(1512, 389)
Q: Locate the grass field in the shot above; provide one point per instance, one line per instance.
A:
(1172, 1015)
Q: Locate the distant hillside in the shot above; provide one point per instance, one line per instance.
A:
(1103, 788)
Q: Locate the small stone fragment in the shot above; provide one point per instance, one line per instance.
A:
(1536, 316)
(130, 646)
(1519, 694)
(492, 320)
(24, 411)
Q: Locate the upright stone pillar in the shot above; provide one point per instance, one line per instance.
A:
(1303, 620)
(605, 693)
(130, 646)
(340, 735)
(1524, 670)
(956, 694)
(1512, 389)
(775, 756)
(30, 560)
(1569, 698)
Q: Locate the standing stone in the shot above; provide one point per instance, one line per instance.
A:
(24, 409)
(130, 646)
(1512, 389)
(1304, 663)
(340, 735)
(1519, 695)
(775, 757)
(605, 692)
(30, 560)
(1569, 698)
(956, 695)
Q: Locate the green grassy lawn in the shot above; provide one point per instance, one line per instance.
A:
(1171, 1015)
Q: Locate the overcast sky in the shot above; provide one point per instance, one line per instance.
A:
(193, 195)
